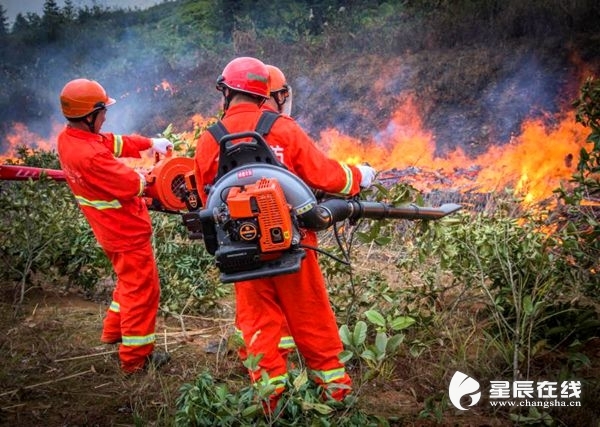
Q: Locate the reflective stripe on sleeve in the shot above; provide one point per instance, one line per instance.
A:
(348, 186)
(118, 146)
(114, 306)
(98, 204)
(134, 341)
(142, 185)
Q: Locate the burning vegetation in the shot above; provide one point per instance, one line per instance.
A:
(532, 164)
(462, 115)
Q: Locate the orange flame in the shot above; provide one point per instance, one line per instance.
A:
(533, 163)
(20, 136)
(165, 86)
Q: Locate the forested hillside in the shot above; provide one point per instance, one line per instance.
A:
(502, 293)
(475, 69)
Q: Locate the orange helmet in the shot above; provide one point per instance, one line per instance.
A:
(81, 97)
(245, 74)
(278, 82)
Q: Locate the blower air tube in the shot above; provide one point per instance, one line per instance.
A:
(313, 215)
(331, 211)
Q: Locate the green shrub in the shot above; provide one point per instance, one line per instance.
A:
(189, 280)
(44, 238)
(579, 222)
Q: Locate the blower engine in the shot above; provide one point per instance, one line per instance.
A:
(252, 233)
(254, 212)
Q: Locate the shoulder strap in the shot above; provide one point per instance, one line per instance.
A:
(267, 118)
(218, 130)
(263, 127)
(256, 150)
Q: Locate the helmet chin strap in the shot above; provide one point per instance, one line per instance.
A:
(89, 120)
(226, 99)
(91, 123)
(286, 108)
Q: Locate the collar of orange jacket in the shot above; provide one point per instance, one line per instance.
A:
(83, 134)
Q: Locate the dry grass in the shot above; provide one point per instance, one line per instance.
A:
(56, 373)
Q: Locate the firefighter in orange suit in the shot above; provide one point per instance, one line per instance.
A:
(108, 193)
(279, 101)
(264, 305)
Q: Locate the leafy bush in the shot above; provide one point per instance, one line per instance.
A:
(353, 293)
(43, 232)
(44, 239)
(189, 281)
(208, 403)
(512, 264)
(580, 221)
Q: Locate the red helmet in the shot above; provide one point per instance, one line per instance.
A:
(245, 74)
(81, 97)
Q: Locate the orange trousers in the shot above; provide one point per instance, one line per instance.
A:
(263, 306)
(131, 317)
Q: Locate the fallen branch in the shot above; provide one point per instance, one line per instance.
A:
(29, 387)
(185, 333)
(165, 344)
(103, 353)
(210, 319)
(85, 356)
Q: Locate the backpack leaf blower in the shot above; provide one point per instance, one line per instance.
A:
(256, 209)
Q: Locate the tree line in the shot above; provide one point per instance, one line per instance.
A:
(460, 52)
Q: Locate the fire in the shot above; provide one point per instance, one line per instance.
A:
(165, 86)
(537, 161)
(20, 136)
(533, 163)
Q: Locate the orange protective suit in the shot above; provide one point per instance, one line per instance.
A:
(264, 305)
(108, 193)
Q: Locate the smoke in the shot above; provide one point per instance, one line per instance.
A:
(526, 87)
(529, 89)
(472, 104)
(358, 95)
(131, 73)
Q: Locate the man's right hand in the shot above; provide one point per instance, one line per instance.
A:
(161, 145)
(368, 175)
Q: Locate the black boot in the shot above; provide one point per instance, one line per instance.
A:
(157, 359)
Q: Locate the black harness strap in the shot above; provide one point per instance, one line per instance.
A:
(265, 123)
(231, 156)
(263, 127)
(218, 130)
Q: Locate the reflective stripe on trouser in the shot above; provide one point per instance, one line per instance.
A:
(335, 382)
(286, 342)
(111, 332)
(132, 314)
(280, 383)
(263, 306)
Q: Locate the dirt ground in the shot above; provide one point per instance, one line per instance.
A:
(55, 372)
